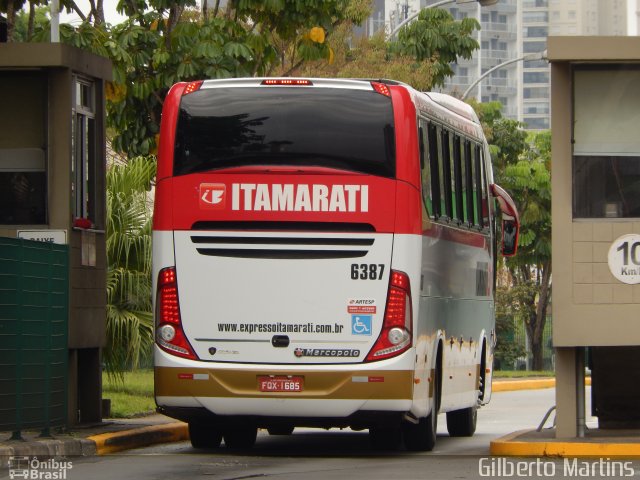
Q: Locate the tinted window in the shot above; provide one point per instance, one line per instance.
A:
(606, 186)
(339, 128)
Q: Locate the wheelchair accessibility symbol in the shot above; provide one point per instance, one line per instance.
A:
(361, 324)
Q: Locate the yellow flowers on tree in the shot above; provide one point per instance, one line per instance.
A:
(316, 34)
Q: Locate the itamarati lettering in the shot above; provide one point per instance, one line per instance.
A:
(299, 198)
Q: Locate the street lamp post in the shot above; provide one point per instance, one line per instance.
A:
(524, 58)
(394, 32)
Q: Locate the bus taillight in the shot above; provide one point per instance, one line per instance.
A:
(395, 336)
(192, 87)
(169, 334)
(381, 88)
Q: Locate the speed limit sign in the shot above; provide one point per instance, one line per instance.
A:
(624, 258)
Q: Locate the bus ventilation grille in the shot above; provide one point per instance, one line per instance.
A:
(281, 247)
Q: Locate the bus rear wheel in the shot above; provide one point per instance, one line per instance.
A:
(421, 437)
(462, 423)
(204, 436)
(240, 437)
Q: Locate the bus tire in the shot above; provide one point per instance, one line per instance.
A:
(421, 437)
(240, 437)
(204, 436)
(281, 430)
(385, 438)
(462, 423)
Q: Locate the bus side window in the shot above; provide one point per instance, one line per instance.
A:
(434, 172)
(480, 189)
(468, 184)
(424, 170)
(445, 173)
(458, 195)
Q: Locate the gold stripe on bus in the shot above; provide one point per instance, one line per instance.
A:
(204, 382)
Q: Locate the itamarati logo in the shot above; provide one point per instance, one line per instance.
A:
(35, 469)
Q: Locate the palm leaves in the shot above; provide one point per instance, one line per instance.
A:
(129, 315)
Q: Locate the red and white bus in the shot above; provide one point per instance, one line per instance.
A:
(324, 255)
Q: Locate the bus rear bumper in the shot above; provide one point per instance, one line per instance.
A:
(331, 393)
(358, 420)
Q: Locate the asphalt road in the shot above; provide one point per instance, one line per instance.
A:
(325, 455)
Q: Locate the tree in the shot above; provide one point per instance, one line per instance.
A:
(167, 41)
(529, 181)
(370, 58)
(11, 8)
(420, 57)
(508, 306)
(14, 13)
(436, 37)
(129, 316)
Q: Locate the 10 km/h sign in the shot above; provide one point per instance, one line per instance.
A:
(624, 258)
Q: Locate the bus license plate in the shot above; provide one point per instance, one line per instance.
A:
(280, 384)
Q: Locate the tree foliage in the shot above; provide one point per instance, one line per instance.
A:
(529, 180)
(129, 315)
(437, 37)
(508, 311)
(420, 57)
(166, 41)
(371, 58)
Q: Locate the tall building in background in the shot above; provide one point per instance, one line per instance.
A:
(513, 29)
(534, 77)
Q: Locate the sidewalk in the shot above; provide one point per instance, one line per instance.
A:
(115, 435)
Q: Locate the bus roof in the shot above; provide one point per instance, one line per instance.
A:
(453, 104)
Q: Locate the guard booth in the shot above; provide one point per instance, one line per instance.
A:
(595, 93)
(52, 189)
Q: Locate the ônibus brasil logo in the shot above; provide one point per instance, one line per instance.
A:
(286, 197)
(213, 196)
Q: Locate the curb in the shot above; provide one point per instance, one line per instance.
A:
(140, 437)
(48, 448)
(509, 446)
(534, 384)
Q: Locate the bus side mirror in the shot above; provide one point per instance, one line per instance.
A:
(510, 220)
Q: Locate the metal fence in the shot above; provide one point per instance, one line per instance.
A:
(34, 286)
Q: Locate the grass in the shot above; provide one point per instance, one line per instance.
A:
(131, 398)
(522, 374)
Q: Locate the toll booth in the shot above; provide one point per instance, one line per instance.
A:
(595, 100)
(52, 189)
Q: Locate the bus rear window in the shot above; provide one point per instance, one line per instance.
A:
(293, 126)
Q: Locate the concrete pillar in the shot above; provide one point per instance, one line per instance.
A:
(570, 393)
